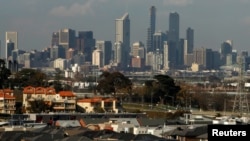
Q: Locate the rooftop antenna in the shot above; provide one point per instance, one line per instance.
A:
(240, 102)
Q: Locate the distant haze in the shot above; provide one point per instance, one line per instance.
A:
(213, 21)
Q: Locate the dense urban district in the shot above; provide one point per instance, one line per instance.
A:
(80, 88)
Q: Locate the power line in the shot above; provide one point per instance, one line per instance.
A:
(240, 102)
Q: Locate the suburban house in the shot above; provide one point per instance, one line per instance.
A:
(64, 101)
(7, 101)
(90, 104)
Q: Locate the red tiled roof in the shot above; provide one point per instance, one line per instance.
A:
(67, 93)
(39, 90)
(29, 90)
(89, 100)
(6, 96)
(109, 100)
(50, 91)
(96, 99)
(7, 90)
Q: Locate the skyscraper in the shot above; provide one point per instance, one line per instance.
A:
(85, 43)
(67, 38)
(173, 31)
(204, 57)
(151, 29)
(158, 41)
(190, 40)
(226, 49)
(12, 36)
(173, 38)
(106, 48)
(97, 56)
(55, 39)
(122, 35)
(10, 46)
(180, 53)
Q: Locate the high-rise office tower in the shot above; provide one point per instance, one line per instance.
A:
(173, 31)
(173, 38)
(181, 53)
(85, 43)
(55, 39)
(204, 57)
(106, 48)
(189, 47)
(70, 53)
(138, 49)
(151, 29)
(226, 49)
(138, 56)
(215, 58)
(190, 40)
(57, 52)
(122, 34)
(10, 46)
(12, 36)
(158, 41)
(118, 53)
(158, 47)
(67, 38)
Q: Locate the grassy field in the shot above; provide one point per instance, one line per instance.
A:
(167, 111)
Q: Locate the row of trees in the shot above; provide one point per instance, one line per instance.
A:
(29, 77)
(162, 89)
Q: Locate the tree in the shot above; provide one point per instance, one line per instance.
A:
(39, 105)
(113, 82)
(162, 88)
(56, 83)
(4, 73)
(30, 77)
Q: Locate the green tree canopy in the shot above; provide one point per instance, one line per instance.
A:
(30, 77)
(161, 89)
(112, 82)
(4, 73)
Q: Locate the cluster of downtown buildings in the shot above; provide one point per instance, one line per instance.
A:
(162, 50)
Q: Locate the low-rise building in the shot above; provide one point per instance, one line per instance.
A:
(91, 104)
(7, 101)
(64, 101)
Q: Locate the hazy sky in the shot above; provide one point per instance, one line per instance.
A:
(213, 21)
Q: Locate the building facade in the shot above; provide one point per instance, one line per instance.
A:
(64, 101)
(122, 34)
(151, 29)
(7, 101)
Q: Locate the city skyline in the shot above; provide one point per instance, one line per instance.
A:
(213, 21)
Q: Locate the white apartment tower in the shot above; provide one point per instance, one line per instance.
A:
(97, 58)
